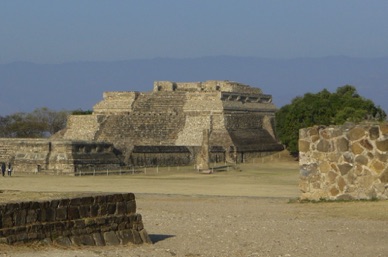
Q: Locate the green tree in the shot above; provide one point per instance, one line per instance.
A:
(323, 108)
(42, 122)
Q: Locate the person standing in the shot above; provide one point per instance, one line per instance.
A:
(3, 168)
(9, 169)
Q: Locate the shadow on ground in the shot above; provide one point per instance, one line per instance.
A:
(159, 237)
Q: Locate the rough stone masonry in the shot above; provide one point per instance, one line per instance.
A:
(344, 162)
(89, 220)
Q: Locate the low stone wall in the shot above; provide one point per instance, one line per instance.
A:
(56, 156)
(94, 220)
(344, 162)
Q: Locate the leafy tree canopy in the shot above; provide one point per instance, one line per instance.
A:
(41, 122)
(323, 108)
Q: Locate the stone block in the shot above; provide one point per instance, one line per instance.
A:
(61, 213)
(50, 214)
(75, 201)
(342, 144)
(87, 200)
(304, 146)
(341, 183)
(125, 236)
(384, 176)
(382, 145)
(129, 197)
(377, 166)
(356, 148)
(19, 217)
(79, 224)
(374, 133)
(121, 208)
(332, 176)
(83, 240)
(344, 168)
(334, 191)
(136, 237)
(32, 216)
(384, 129)
(131, 207)
(100, 199)
(54, 203)
(63, 241)
(362, 159)
(98, 239)
(111, 208)
(84, 211)
(64, 202)
(10, 208)
(324, 167)
(366, 144)
(73, 213)
(356, 133)
(94, 209)
(111, 238)
(145, 237)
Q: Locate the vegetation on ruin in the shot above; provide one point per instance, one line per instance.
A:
(324, 108)
(42, 122)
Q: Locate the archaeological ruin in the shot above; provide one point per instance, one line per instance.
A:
(344, 162)
(165, 126)
(94, 220)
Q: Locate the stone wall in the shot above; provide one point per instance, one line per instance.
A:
(56, 156)
(94, 220)
(344, 162)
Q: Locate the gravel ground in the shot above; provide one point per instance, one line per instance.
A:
(242, 226)
(226, 214)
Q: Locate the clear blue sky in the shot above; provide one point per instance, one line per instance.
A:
(56, 31)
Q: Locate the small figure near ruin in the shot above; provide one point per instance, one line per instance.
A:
(3, 168)
(9, 169)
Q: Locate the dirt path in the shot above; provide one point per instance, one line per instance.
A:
(226, 214)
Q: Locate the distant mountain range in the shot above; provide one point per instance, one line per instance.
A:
(79, 85)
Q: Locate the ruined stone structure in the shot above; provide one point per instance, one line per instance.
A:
(165, 126)
(92, 220)
(56, 156)
(344, 162)
(158, 128)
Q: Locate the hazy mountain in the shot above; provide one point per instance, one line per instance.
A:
(26, 86)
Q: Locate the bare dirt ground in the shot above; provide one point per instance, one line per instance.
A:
(251, 212)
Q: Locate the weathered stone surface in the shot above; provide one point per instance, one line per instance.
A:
(384, 129)
(341, 184)
(362, 159)
(357, 148)
(382, 145)
(342, 144)
(98, 239)
(384, 176)
(348, 157)
(377, 166)
(111, 238)
(63, 241)
(344, 168)
(334, 191)
(66, 227)
(324, 146)
(356, 133)
(374, 133)
(304, 146)
(324, 167)
(332, 176)
(356, 168)
(144, 236)
(83, 240)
